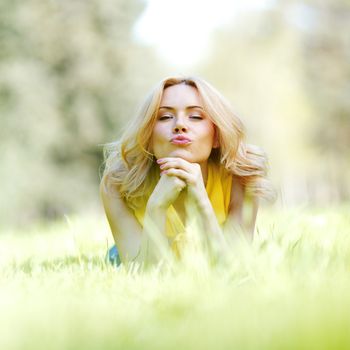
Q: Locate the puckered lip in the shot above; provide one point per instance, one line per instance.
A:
(180, 138)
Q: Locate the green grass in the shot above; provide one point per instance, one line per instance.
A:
(290, 289)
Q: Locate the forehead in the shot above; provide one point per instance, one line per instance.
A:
(180, 95)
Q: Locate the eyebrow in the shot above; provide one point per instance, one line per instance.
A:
(172, 108)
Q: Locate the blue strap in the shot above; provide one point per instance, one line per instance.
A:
(113, 256)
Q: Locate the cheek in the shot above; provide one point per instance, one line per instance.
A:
(158, 138)
(159, 132)
(208, 132)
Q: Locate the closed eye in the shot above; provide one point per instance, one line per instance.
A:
(164, 117)
(196, 117)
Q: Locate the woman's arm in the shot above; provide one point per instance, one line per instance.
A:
(147, 244)
(133, 241)
(208, 222)
(125, 228)
(197, 198)
(243, 211)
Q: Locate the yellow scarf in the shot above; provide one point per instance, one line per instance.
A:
(218, 188)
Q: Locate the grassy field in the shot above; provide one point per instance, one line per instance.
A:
(290, 289)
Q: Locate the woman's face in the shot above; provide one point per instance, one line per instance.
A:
(182, 129)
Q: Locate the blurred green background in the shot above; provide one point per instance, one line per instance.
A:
(73, 72)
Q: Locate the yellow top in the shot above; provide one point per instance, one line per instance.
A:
(218, 187)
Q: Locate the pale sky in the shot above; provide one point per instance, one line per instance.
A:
(180, 29)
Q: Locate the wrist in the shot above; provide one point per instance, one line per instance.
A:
(198, 194)
(154, 206)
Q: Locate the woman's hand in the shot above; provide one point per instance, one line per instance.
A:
(166, 191)
(190, 173)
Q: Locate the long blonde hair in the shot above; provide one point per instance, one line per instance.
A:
(130, 167)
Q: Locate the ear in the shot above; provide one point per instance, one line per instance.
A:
(216, 143)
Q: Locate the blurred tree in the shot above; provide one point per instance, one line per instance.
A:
(286, 70)
(70, 75)
(324, 28)
(259, 73)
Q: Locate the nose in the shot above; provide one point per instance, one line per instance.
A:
(179, 125)
(177, 129)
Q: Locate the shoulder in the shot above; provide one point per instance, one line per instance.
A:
(107, 187)
(110, 196)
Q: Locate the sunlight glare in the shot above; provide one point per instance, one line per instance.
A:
(180, 30)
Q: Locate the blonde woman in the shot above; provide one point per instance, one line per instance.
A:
(185, 149)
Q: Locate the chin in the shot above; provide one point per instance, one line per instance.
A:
(181, 154)
(185, 155)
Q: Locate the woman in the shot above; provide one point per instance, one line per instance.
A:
(183, 156)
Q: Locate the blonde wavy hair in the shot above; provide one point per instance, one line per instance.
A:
(130, 166)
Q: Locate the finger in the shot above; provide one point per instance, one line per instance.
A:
(172, 159)
(182, 174)
(181, 183)
(178, 163)
(172, 164)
